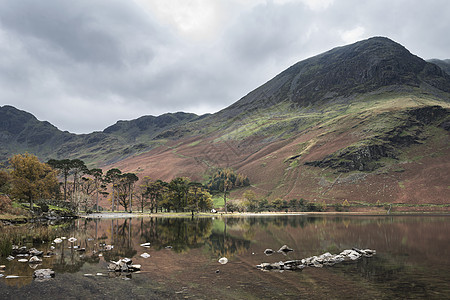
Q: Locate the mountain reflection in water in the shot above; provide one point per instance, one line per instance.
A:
(411, 261)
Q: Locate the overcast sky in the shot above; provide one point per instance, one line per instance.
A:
(82, 65)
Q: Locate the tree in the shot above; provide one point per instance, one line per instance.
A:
(179, 188)
(232, 207)
(63, 166)
(195, 187)
(4, 181)
(125, 189)
(226, 186)
(31, 179)
(152, 193)
(112, 176)
(98, 178)
(251, 202)
(204, 200)
(78, 168)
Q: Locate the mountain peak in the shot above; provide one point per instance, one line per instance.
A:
(358, 68)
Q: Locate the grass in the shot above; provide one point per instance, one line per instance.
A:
(218, 201)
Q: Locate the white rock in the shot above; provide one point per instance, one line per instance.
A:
(146, 245)
(145, 255)
(72, 240)
(35, 259)
(22, 260)
(223, 260)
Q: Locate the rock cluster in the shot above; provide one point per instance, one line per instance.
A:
(124, 265)
(23, 251)
(326, 259)
(43, 274)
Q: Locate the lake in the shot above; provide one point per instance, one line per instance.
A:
(411, 261)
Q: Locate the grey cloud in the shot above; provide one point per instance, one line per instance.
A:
(84, 64)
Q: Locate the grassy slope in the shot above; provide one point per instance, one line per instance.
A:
(272, 146)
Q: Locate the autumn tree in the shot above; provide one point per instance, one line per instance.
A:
(223, 177)
(199, 199)
(31, 179)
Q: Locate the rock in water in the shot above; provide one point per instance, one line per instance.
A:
(268, 252)
(285, 249)
(35, 259)
(35, 252)
(43, 274)
(326, 259)
(223, 260)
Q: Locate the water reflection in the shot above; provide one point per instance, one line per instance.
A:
(411, 260)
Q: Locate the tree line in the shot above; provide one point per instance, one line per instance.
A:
(71, 181)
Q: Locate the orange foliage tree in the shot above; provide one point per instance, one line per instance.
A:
(31, 179)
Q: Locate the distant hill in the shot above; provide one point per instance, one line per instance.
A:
(443, 64)
(21, 132)
(366, 122)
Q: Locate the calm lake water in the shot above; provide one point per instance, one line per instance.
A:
(412, 259)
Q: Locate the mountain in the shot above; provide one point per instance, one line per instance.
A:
(21, 132)
(365, 122)
(443, 64)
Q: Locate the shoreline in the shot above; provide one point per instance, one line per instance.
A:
(118, 215)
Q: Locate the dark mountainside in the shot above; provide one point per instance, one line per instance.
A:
(337, 75)
(22, 132)
(364, 122)
(443, 64)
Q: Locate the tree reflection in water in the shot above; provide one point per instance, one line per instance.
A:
(411, 255)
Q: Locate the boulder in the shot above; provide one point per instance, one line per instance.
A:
(43, 274)
(123, 265)
(284, 249)
(35, 252)
(326, 259)
(223, 260)
(35, 260)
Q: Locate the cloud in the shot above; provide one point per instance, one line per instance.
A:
(83, 65)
